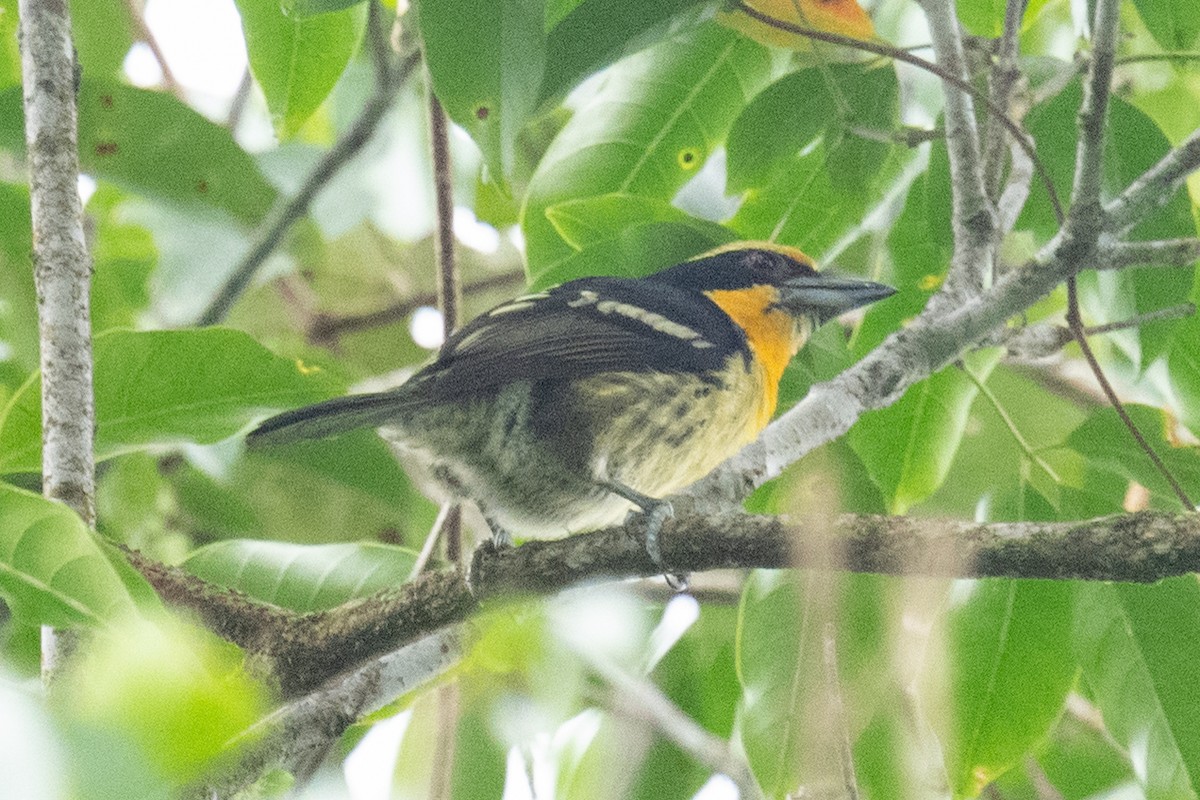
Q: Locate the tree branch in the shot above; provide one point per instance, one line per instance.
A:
(62, 272)
(287, 212)
(1155, 188)
(972, 215)
(1161, 253)
(1002, 80)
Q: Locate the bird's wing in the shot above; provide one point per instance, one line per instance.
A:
(583, 328)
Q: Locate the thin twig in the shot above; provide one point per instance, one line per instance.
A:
(1002, 81)
(1076, 324)
(144, 33)
(326, 329)
(237, 106)
(1167, 253)
(1154, 188)
(640, 698)
(1178, 55)
(287, 212)
(1170, 312)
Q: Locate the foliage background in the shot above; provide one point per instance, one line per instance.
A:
(593, 137)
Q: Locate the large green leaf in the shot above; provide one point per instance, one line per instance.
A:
(297, 59)
(151, 143)
(302, 577)
(584, 36)
(55, 571)
(785, 624)
(592, 220)
(1183, 365)
(102, 32)
(646, 130)
(1011, 667)
(486, 59)
(800, 154)
(10, 52)
(155, 387)
(909, 446)
(1173, 23)
(1105, 442)
(18, 311)
(1139, 647)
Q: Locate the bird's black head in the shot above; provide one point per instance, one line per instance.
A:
(802, 290)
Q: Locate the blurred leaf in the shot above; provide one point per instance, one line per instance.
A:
(102, 33)
(1183, 366)
(54, 571)
(156, 387)
(32, 760)
(480, 762)
(1105, 442)
(123, 256)
(593, 220)
(699, 676)
(18, 299)
(297, 60)
(302, 577)
(837, 16)
(10, 51)
(486, 59)
(1082, 761)
(1011, 667)
(920, 244)
(986, 17)
(909, 446)
(1173, 23)
(306, 8)
(174, 690)
(783, 631)
(557, 10)
(647, 130)
(151, 143)
(1139, 647)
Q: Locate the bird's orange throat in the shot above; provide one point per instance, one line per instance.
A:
(774, 335)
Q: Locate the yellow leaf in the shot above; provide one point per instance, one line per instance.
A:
(835, 16)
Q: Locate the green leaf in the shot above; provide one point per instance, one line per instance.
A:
(781, 664)
(10, 51)
(1105, 442)
(486, 59)
(302, 577)
(592, 220)
(986, 17)
(307, 8)
(1139, 647)
(157, 387)
(646, 131)
(909, 446)
(102, 33)
(18, 311)
(1174, 24)
(636, 251)
(55, 571)
(1011, 667)
(151, 143)
(178, 693)
(297, 60)
(595, 32)
(1183, 366)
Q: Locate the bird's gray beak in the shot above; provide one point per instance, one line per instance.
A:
(824, 297)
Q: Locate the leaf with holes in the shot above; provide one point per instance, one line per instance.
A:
(646, 131)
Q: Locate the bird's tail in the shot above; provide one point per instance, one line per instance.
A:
(330, 418)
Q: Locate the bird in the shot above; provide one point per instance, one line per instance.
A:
(568, 409)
